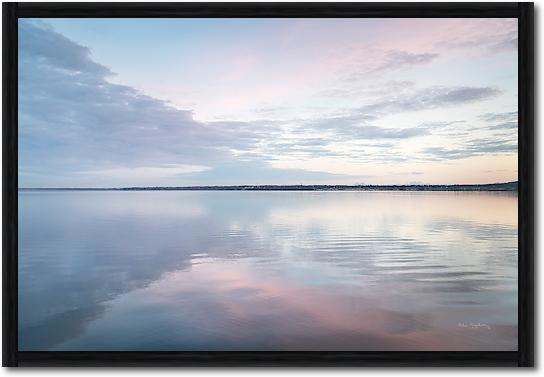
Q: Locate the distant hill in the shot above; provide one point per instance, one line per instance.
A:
(508, 186)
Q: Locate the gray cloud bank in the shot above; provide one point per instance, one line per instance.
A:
(71, 119)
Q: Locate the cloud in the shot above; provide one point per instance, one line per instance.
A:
(370, 132)
(369, 66)
(398, 59)
(504, 126)
(358, 123)
(431, 98)
(501, 121)
(473, 148)
(497, 117)
(39, 41)
(489, 36)
(71, 119)
(358, 126)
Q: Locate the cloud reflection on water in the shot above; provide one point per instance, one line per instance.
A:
(285, 271)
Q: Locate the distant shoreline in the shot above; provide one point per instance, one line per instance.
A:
(508, 186)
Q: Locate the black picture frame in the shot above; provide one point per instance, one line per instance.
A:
(524, 357)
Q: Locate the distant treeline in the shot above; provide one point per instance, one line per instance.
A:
(509, 186)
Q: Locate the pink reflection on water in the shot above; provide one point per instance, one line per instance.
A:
(223, 300)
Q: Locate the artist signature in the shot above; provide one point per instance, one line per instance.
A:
(475, 326)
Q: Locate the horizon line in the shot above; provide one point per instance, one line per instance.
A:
(250, 186)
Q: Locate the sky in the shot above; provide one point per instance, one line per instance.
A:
(179, 102)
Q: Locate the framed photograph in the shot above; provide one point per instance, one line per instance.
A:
(289, 184)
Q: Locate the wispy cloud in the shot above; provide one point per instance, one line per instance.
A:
(501, 121)
(431, 98)
(474, 148)
(398, 59)
(388, 61)
(508, 116)
(497, 36)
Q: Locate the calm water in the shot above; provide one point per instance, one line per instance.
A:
(169, 270)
